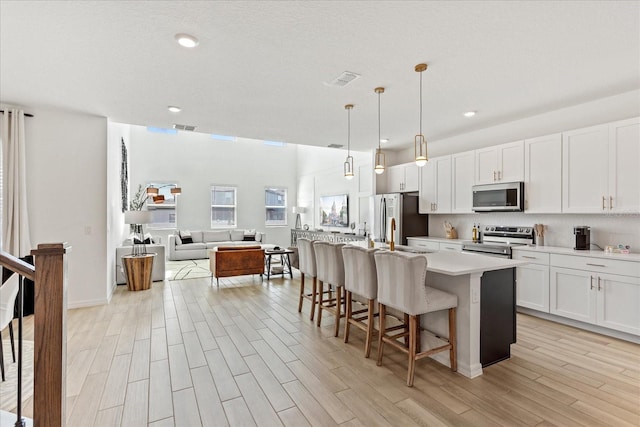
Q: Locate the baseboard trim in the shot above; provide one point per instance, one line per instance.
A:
(88, 303)
(581, 325)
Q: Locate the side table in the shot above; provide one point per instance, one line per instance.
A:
(138, 270)
(285, 262)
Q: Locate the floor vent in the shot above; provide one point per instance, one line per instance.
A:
(335, 145)
(190, 128)
(344, 79)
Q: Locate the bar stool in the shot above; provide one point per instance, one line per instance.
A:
(330, 268)
(402, 285)
(307, 267)
(360, 279)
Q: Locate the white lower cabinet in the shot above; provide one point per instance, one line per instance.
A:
(532, 281)
(603, 299)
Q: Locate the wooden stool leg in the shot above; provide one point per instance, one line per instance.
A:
(413, 328)
(314, 295)
(370, 314)
(381, 322)
(301, 292)
(453, 357)
(321, 298)
(406, 330)
(338, 304)
(347, 317)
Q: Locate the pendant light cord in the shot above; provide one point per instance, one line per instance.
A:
(378, 121)
(420, 102)
(348, 132)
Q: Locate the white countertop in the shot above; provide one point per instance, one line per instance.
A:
(548, 249)
(571, 251)
(458, 263)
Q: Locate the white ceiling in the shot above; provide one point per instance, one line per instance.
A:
(261, 66)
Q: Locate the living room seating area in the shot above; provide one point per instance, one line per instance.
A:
(196, 244)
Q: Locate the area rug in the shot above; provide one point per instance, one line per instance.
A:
(188, 269)
(8, 388)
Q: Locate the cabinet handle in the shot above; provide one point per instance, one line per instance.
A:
(499, 175)
(529, 257)
(596, 265)
(494, 175)
(591, 283)
(610, 202)
(603, 202)
(599, 288)
(436, 206)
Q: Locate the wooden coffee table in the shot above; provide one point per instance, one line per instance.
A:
(284, 261)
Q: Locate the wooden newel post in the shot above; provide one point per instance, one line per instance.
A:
(50, 335)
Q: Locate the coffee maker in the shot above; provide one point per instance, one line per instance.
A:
(583, 237)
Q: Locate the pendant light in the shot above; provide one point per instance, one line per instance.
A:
(348, 164)
(380, 158)
(419, 142)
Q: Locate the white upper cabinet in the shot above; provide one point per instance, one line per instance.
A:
(402, 178)
(624, 166)
(462, 173)
(585, 169)
(543, 174)
(435, 186)
(600, 168)
(500, 163)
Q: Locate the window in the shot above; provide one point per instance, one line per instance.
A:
(275, 203)
(223, 206)
(163, 207)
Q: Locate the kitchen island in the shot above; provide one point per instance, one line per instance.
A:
(485, 287)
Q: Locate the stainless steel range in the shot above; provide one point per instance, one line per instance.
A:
(498, 240)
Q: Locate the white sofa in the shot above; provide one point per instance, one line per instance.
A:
(158, 271)
(203, 241)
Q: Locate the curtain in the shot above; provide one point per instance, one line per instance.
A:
(15, 218)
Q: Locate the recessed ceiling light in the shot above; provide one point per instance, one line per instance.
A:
(383, 140)
(187, 40)
(174, 109)
(469, 114)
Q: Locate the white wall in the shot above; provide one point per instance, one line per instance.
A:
(321, 173)
(195, 161)
(66, 178)
(609, 109)
(116, 228)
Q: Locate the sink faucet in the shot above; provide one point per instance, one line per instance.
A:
(392, 245)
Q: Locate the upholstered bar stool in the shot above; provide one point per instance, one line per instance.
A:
(402, 285)
(330, 267)
(360, 279)
(307, 267)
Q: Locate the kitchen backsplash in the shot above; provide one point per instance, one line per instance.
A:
(605, 229)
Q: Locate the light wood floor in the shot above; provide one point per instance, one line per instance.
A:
(186, 354)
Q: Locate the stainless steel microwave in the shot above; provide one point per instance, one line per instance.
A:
(502, 197)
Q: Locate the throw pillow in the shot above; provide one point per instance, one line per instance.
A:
(185, 233)
(178, 239)
(248, 238)
(186, 240)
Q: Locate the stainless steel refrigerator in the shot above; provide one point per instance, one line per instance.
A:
(404, 208)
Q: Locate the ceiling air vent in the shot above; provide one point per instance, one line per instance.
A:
(190, 128)
(335, 145)
(344, 79)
